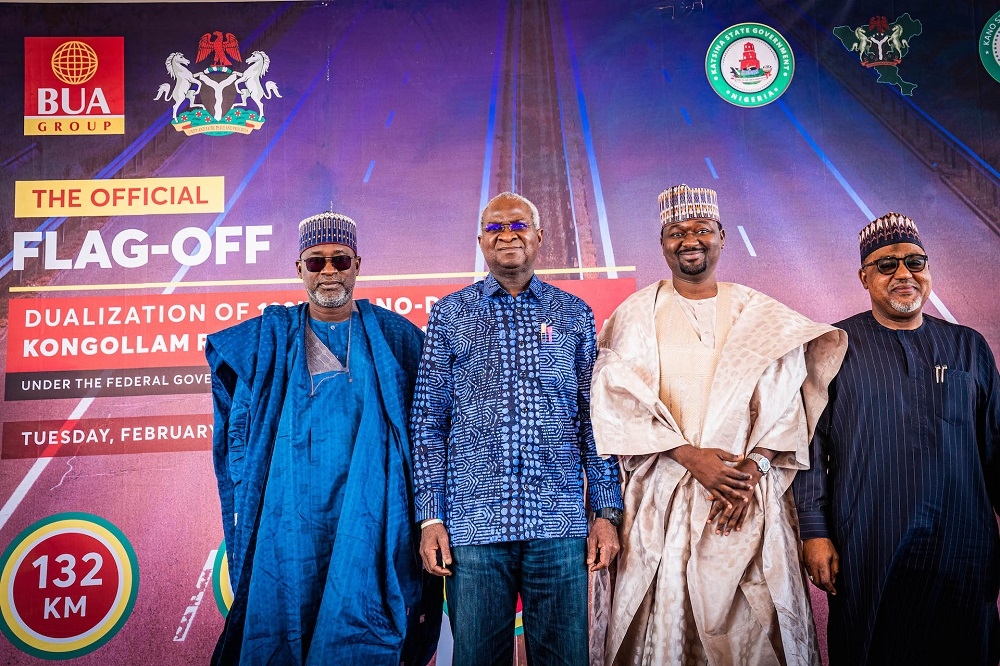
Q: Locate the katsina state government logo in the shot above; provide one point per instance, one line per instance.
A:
(882, 46)
(211, 94)
(749, 65)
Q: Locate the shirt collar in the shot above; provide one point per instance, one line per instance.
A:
(491, 286)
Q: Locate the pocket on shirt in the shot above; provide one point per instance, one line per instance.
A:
(557, 364)
(954, 398)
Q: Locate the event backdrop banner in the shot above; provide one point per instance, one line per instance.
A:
(152, 180)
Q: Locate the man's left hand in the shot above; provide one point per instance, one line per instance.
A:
(732, 517)
(602, 544)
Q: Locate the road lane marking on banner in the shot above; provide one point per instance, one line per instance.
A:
(711, 168)
(588, 141)
(296, 281)
(569, 175)
(945, 312)
(746, 240)
(204, 582)
(869, 215)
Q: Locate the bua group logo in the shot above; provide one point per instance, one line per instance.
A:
(74, 85)
(211, 94)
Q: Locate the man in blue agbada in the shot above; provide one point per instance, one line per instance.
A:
(312, 457)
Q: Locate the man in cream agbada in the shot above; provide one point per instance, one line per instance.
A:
(708, 391)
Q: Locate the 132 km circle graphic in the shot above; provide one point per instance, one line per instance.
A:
(69, 583)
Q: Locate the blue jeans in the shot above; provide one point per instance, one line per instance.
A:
(551, 576)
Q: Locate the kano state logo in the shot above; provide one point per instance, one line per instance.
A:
(882, 46)
(218, 96)
(989, 46)
(749, 65)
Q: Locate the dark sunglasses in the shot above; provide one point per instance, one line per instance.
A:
(496, 227)
(341, 262)
(888, 265)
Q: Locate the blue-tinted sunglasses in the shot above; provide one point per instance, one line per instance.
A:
(497, 227)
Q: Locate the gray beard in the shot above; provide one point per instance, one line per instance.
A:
(333, 302)
(906, 308)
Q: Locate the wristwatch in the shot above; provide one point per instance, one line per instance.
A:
(611, 514)
(763, 464)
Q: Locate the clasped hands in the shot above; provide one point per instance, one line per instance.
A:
(730, 486)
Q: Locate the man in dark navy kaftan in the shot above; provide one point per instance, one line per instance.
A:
(898, 511)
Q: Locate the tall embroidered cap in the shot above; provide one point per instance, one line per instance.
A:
(680, 203)
(328, 228)
(889, 229)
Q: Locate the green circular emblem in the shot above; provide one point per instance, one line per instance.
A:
(69, 583)
(220, 581)
(989, 46)
(749, 65)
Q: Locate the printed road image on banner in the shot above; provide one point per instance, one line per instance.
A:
(159, 156)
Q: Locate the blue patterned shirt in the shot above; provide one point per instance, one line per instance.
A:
(501, 416)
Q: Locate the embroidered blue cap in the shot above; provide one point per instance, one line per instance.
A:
(889, 229)
(680, 203)
(328, 228)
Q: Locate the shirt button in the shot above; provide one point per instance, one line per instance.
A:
(522, 374)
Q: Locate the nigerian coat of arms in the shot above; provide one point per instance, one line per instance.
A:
(219, 95)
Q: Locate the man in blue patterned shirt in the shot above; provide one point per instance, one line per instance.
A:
(501, 440)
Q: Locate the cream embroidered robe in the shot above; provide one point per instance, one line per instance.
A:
(683, 594)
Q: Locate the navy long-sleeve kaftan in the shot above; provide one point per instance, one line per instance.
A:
(905, 479)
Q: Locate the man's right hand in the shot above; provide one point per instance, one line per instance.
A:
(434, 545)
(822, 563)
(709, 468)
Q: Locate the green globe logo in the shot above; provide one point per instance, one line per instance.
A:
(74, 63)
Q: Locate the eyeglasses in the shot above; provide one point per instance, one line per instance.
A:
(341, 262)
(888, 265)
(497, 227)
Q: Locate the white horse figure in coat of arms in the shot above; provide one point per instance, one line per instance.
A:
(186, 86)
(250, 79)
